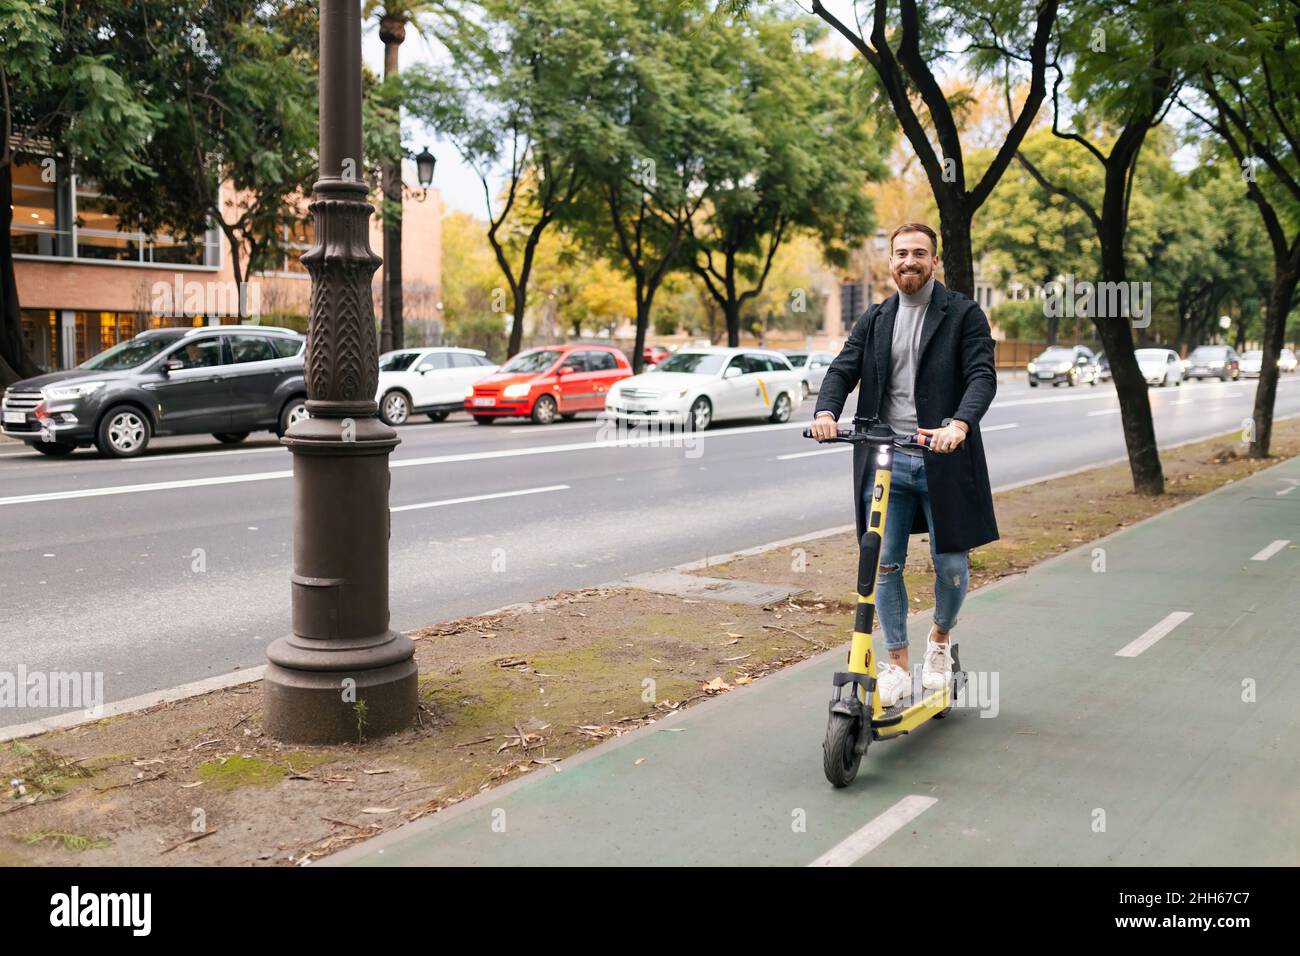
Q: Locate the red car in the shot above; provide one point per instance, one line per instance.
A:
(654, 354)
(545, 382)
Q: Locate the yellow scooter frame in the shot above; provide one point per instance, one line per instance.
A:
(860, 710)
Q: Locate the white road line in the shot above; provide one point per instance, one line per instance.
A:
(1287, 491)
(651, 440)
(1181, 401)
(213, 455)
(548, 429)
(1171, 621)
(809, 454)
(499, 494)
(1104, 411)
(149, 486)
(849, 851)
(984, 430)
(1271, 550)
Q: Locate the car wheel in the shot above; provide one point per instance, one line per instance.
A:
(780, 409)
(230, 438)
(55, 449)
(294, 411)
(1032, 383)
(438, 416)
(543, 411)
(804, 389)
(123, 432)
(482, 419)
(700, 417)
(395, 408)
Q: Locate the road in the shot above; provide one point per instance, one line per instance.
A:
(175, 566)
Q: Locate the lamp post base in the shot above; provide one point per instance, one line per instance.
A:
(329, 707)
(342, 675)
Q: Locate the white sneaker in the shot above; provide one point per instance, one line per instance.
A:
(894, 684)
(936, 674)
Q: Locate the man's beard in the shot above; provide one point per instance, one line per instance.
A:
(910, 282)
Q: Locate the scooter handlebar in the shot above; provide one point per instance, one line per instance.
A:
(850, 436)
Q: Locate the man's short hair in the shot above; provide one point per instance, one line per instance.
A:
(915, 227)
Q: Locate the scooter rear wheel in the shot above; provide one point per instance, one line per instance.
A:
(838, 757)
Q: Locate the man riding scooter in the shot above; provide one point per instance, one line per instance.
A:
(922, 361)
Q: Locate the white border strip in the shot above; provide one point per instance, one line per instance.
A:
(849, 851)
(1271, 550)
(1167, 624)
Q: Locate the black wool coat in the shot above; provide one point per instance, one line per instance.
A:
(955, 378)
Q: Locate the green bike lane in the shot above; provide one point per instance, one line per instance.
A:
(1183, 752)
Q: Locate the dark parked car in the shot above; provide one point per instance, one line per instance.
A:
(1213, 361)
(1062, 365)
(223, 380)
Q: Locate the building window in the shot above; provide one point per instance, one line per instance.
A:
(295, 239)
(58, 216)
(40, 221)
(40, 336)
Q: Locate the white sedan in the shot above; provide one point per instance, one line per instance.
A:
(427, 381)
(1160, 366)
(697, 387)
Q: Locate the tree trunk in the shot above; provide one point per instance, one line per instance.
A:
(517, 328)
(1285, 278)
(731, 310)
(1130, 387)
(391, 333)
(955, 249)
(642, 323)
(15, 363)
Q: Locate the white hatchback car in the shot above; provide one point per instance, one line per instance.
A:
(428, 381)
(698, 386)
(1160, 366)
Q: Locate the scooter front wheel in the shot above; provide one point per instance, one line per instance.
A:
(839, 757)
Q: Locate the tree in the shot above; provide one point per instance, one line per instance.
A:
(234, 86)
(802, 161)
(1001, 35)
(1256, 115)
(669, 112)
(516, 98)
(1128, 65)
(393, 17)
(62, 94)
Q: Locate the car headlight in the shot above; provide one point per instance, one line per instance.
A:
(1031, 368)
(63, 393)
(516, 391)
(469, 391)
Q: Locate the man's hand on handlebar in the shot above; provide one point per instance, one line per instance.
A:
(824, 428)
(944, 439)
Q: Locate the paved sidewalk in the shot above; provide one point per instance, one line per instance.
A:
(1145, 714)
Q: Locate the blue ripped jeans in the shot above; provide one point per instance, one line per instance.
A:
(951, 568)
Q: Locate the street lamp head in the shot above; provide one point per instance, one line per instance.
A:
(424, 164)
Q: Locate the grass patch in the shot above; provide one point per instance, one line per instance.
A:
(69, 841)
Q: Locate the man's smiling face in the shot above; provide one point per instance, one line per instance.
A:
(912, 261)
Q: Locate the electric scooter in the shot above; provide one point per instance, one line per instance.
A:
(856, 715)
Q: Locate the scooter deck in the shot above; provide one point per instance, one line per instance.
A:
(919, 694)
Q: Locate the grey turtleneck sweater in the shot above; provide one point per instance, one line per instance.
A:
(899, 408)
